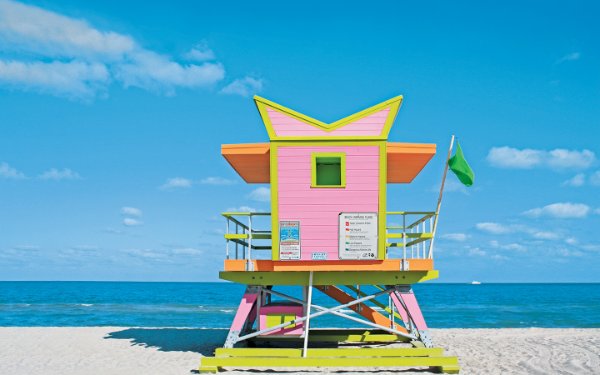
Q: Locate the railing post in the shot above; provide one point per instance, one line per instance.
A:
(404, 237)
(237, 231)
(249, 261)
(227, 241)
(422, 244)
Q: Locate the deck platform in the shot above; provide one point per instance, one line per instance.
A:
(301, 278)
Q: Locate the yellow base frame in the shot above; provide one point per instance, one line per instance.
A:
(330, 357)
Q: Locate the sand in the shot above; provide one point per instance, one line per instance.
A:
(114, 350)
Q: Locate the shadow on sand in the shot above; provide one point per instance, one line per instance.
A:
(203, 341)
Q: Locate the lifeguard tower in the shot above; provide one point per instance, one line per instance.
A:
(330, 230)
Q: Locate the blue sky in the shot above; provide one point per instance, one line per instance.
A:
(112, 115)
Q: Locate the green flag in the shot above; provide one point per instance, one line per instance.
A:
(461, 168)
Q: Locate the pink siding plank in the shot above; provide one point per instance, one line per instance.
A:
(325, 195)
(351, 163)
(344, 132)
(296, 159)
(302, 179)
(307, 172)
(337, 200)
(314, 219)
(326, 208)
(330, 243)
(356, 187)
(355, 150)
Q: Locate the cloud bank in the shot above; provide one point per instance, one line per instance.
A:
(68, 57)
(557, 159)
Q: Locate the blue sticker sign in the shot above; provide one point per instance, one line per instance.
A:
(289, 240)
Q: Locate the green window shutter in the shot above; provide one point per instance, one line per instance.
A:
(329, 171)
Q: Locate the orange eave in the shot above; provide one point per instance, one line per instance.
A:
(404, 161)
(250, 161)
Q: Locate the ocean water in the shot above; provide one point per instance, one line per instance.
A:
(213, 305)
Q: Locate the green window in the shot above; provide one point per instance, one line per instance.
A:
(328, 169)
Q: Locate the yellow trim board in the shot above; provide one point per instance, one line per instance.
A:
(274, 203)
(382, 217)
(393, 104)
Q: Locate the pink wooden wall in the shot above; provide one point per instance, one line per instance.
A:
(285, 125)
(317, 209)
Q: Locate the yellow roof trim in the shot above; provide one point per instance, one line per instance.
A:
(393, 104)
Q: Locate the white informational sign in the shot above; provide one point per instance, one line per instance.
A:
(358, 235)
(289, 240)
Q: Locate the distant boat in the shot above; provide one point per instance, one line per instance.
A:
(475, 282)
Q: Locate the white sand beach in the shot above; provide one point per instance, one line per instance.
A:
(116, 350)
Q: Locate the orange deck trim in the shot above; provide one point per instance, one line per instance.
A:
(342, 265)
(406, 160)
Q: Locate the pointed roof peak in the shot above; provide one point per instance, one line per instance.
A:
(285, 123)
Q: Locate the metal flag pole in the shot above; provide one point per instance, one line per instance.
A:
(439, 202)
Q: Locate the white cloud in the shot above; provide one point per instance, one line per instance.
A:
(176, 182)
(558, 159)
(498, 229)
(57, 175)
(216, 181)
(560, 210)
(186, 251)
(170, 255)
(569, 253)
(573, 56)
(244, 86)
(493, 228)
(131, 211)
(565, 159)
(6, 171)
(510, 246)
(545, 235)
(146, 254)
(200, 52)
(152, 71)
(460, 237)
(571, 241)
(476, 252)
(508, 157)
(131, 222)
(74, 79)
(36, 30)
(68, 57)
(514, 246)
(261, 194)
(576, 181)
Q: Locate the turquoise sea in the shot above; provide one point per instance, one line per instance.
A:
(212, 305)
